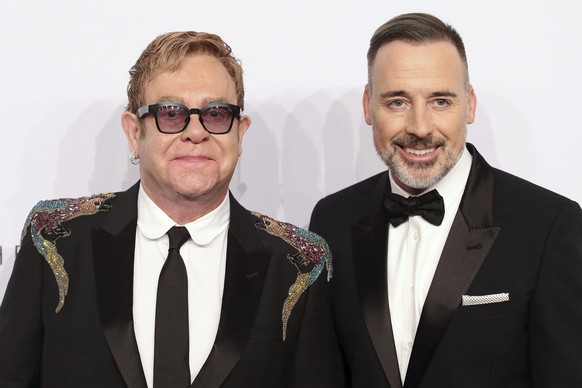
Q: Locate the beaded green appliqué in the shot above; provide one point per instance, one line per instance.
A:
(45, 221)
(311, 250)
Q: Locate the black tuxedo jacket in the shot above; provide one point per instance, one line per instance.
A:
(90, 341)
(509, 236)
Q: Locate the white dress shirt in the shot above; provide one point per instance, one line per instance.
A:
(205, 259)
(414, 250)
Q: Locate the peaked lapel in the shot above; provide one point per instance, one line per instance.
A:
(369, 242)
(247, 262)
(113, 253)
(470, 239)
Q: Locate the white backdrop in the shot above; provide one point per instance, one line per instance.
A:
(63, 74)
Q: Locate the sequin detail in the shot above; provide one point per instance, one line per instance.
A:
(45, 221)
(311, 250)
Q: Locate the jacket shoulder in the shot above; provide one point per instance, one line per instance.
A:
(311, 248)
(46, 224)
(47, 216)
(310, 256)
(354, 194)
(509, 187)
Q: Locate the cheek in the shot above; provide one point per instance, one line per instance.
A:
(460, 131)
(461, 136)
(452, 127)
(384, 128)
(230, 149)
(381, 141)
(154, 149)
(456, 138)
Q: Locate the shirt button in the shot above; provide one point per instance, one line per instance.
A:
(415, 235)
(410, 343)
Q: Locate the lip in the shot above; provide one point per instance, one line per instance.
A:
(419, 154)
(192, 159)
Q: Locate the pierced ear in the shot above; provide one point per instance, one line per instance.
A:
(129, 122)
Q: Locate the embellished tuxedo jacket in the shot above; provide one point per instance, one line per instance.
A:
(504, 308)
(66, 318)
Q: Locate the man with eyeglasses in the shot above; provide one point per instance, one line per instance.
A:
(171, 283)
(448, 272)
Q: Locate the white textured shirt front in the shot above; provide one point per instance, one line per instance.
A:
(204, 255)
(414, 250)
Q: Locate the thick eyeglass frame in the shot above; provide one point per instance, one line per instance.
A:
(153, 110)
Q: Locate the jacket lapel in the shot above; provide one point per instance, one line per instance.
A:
(113, 252)
(369, 241)
(470, 239)
(247, 263)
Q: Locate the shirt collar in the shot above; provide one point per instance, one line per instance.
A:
(154, 223)
(451, 186)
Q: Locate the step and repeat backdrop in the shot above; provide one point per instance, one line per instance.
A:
(64, 71)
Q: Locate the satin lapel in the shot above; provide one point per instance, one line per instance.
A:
(113, 252)
(471, 237)
(369, 239)
(247, 262)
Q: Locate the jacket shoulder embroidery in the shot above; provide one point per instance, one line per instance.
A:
(45, 222)
(312, 252)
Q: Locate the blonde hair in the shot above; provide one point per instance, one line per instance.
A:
(166, 53)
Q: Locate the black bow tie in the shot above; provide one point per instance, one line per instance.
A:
(429, 205)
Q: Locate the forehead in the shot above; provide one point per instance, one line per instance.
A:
(400, 63)
(199, 77)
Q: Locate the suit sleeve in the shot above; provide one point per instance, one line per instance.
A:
(21, 329)
(555, 320)
(317, 361)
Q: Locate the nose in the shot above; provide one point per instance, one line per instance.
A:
(194, 131)
(419, 122)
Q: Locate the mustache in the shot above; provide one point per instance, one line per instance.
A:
(412, 141)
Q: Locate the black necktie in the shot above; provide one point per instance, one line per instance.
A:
(429, 205)
(171, 346)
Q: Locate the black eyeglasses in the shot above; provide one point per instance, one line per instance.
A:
(216, 118)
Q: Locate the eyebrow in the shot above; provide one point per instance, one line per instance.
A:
(169, 99)
(443, 93)
(402, 93)
(206, 101)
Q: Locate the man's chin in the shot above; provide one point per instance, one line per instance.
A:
(418, 179)
(206, 193)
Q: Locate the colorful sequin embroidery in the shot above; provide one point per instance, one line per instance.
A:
(45, 221)
(311, 250)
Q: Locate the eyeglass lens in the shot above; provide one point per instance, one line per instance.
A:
(215, 119)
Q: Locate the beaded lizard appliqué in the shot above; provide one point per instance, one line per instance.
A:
(45, 221)
(311, 250)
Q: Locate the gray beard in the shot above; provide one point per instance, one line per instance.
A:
(411, 174)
